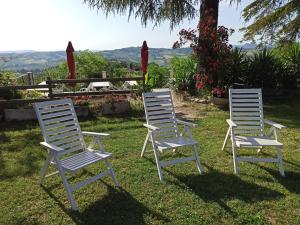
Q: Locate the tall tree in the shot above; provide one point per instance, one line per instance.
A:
(273, 20)
(158, 11)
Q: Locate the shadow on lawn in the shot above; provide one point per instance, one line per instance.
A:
(215, 186)
(291, 181)
(284, 110)
(117, 207)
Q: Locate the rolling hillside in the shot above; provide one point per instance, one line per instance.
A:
(23, 61)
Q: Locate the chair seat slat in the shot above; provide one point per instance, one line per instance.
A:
(246, 96)
(152, 100)
(61, 136)
(249, 118)
(160, 112)
(246, 109)
(156, 108)
(59, 124)
(248, 122)
(58, 114)
(162, 121)
(242, 104)
(82, 160)
(152, 104)
(66, 140)
(54, 109)
(61, 130)
(246, 114)
(241, 100)
(71, 144)
(157, 117)
(242, 91)
(157, 94)
(59, 120)
(248, 127)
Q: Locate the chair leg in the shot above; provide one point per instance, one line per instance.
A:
(280, 162)
(226, 139)
(45, 168)
(198, 164)
(145, 144)
(235, 161)
(156, 154)
(112, 172)
(67, 186)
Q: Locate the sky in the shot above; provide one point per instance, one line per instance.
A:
(48, 25)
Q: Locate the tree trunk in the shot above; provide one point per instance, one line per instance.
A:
(208, 5)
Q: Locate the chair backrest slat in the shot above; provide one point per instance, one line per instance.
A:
(246, 110)
(160, 112)
(60, 125)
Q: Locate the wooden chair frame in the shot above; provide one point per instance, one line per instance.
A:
(160, 117)
(67, 150)
(246, 118)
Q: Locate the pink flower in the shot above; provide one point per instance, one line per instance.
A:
(199, 85)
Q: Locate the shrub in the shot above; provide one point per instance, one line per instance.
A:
(158, 76)
(211, 48)
(184, 70)
(237, 68)
(30, 94)
(290, 58)
(6, 79)
(264, 69)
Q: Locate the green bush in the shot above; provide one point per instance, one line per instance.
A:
(158, 76)
(8, 78)
(30, 94)
(290, 58)
(184, 70)
(237, 68)
(264, 69)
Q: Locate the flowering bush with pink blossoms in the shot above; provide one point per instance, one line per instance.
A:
(211, 49)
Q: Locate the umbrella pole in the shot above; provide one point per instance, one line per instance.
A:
(143, 82)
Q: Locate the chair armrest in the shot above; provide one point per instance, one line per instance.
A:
(51, 147)
(94, 134)
(186, 123)
(276, 125)
(231, 123)
(151, 127)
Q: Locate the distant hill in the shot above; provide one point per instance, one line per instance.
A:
(160, 56)
(27, 60)
(30, 60)
(22, 61)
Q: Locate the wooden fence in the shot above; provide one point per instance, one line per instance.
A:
(51, 84)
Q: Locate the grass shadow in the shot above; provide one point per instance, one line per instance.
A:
(219, 187)
(117, 207)
(291, 181)
(277, 108)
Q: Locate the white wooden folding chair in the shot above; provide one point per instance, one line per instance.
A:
(163, 131)
(66, 147)
(246, 127)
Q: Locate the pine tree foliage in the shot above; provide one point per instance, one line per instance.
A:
(156, 11)
(273, 20)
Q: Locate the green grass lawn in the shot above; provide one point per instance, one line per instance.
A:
(258, 195)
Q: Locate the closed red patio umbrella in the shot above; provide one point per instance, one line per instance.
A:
(71, 62)
(144, 60)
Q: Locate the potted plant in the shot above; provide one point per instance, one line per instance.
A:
(22, 112)
(115, 104)
(81, 105)
(219, 97)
